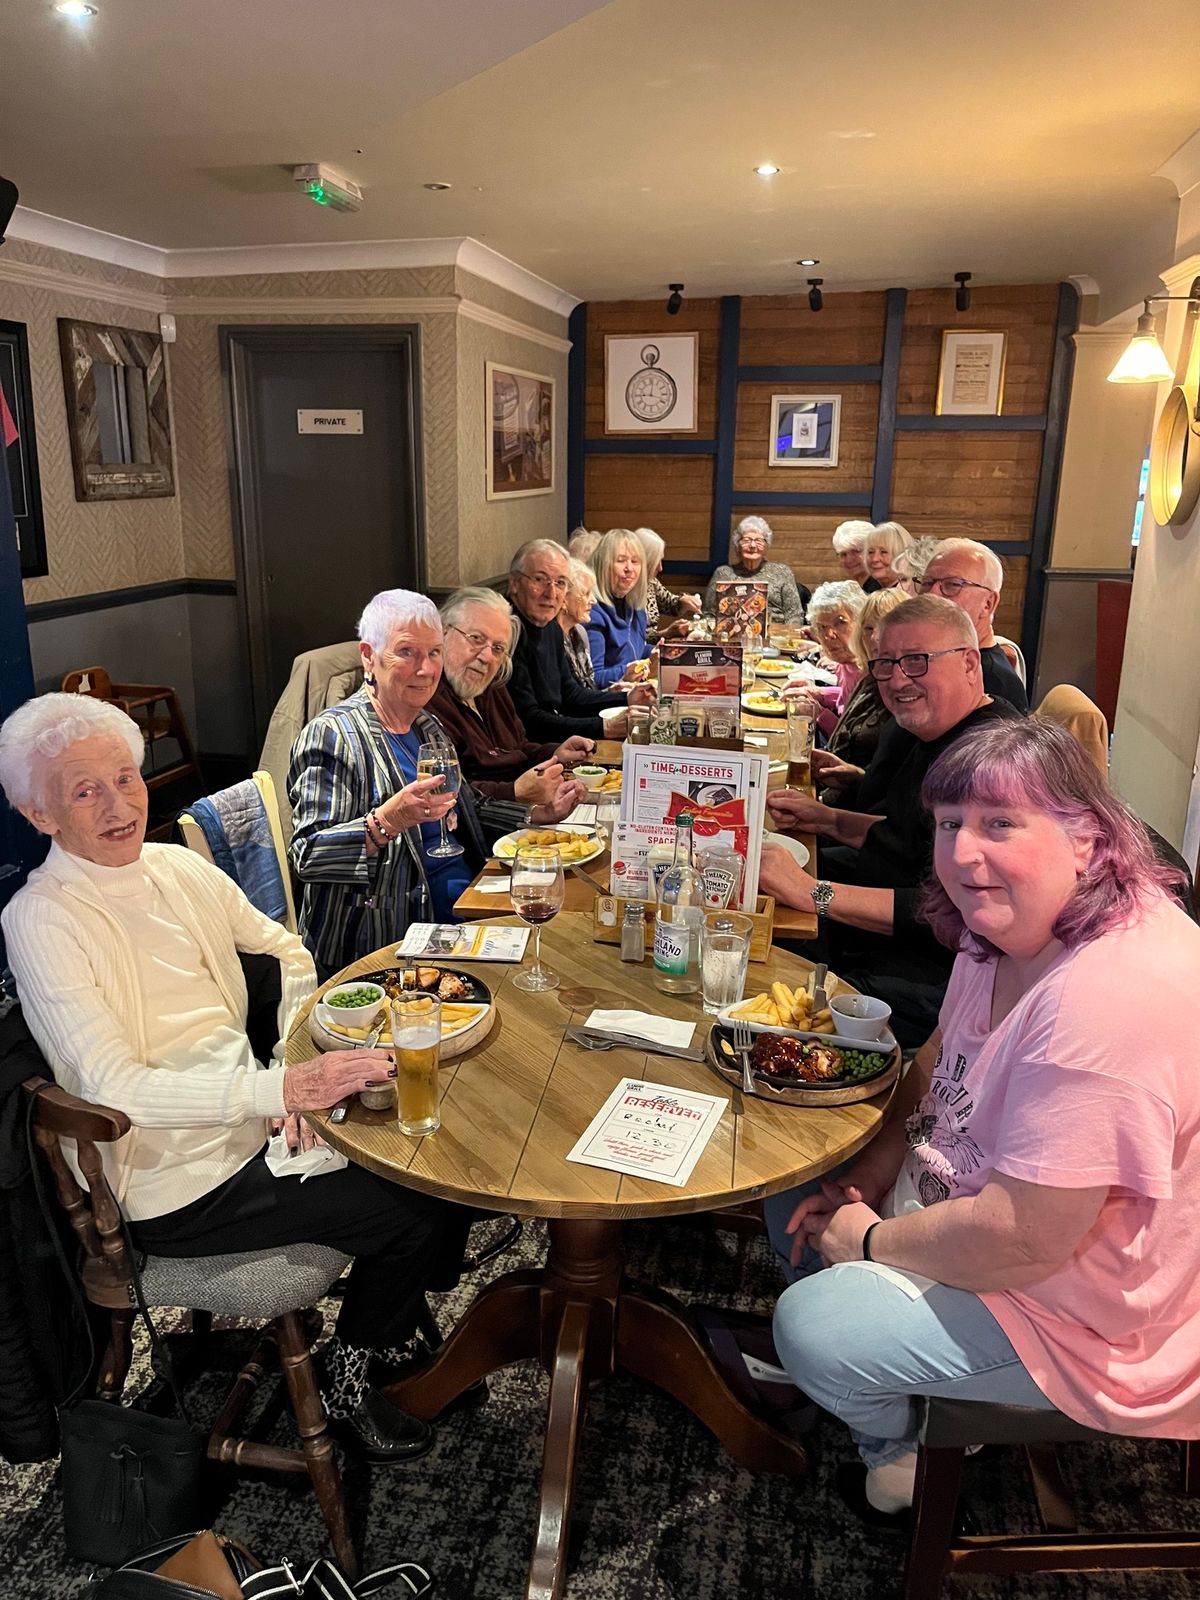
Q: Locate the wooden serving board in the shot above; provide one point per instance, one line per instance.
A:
(455, 1046)
(794, 1095)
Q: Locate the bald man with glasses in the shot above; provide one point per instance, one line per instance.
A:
(874, 862)
(970, 576)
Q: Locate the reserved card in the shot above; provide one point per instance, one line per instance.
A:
(650, 1131)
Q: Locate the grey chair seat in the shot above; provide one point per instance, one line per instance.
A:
(948, 1424)
(256, 1283)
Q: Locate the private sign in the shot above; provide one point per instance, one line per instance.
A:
(329, 421)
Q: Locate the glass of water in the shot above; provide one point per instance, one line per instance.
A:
(724, 956)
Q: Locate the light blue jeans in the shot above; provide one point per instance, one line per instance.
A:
(864, 1344)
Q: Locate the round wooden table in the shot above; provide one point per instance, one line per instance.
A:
(511, 1110)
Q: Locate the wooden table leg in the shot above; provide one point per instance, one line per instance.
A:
(560, 1454)
(656, 1341)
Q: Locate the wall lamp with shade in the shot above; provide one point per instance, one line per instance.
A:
(1174, 478)
(1143, 359)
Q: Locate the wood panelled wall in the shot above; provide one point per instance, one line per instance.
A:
(945, 477)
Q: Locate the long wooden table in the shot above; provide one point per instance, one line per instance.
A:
(511, 1110)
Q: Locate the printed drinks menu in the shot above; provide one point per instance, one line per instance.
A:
(650, 1130)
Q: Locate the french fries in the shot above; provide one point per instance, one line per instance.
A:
(453, 1018)
(785, 1008)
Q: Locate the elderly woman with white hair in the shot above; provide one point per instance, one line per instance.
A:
(127, 961)
(660, 601)
(748, 548)
(883, 546)
(832, 613)
(850, 547)
(364, 823)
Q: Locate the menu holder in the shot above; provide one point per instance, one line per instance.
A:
(704, 741)
(608, 912)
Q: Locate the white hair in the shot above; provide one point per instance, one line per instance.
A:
(653, 544)
(536, 547)
(582, 542)
(852, 535)
(579, 573)
(912, 561)
(750, 525)
(993, 567)
(45, 726)
(603, 559)
(843, 595)
(453, 608)
(889, 536)
(393, 609)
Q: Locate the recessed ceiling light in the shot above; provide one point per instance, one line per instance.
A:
(767, 170)
(809, 261)
(75, 9)
(436, 188)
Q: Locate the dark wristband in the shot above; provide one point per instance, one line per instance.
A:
(866, 1242)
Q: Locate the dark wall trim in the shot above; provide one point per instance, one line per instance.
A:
(1050, 471)
(861, 373)
(779, 497)
(885, 429)
(908, 423)
(79, 604)
(1088, 575)
(576, 413)
(650, 447)
(727, 398)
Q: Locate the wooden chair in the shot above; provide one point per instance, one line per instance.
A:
(265, 1285)
(935, 1552)
(194, 838)
(154, 707)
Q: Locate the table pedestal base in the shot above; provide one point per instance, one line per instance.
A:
(583, 1321)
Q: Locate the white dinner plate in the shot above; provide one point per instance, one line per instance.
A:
(792, 846)
(776, 669)
(776, 709)
(321, 1015)
(506, 847)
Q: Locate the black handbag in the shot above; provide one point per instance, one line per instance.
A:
(128, 1477)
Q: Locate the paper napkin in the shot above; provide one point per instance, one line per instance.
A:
(305, 1163)
(644, 1025)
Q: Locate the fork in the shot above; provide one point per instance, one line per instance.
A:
(743, 1043)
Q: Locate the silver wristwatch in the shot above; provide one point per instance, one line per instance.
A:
(822, 896)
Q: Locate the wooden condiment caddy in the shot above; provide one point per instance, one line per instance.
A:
(609, 910)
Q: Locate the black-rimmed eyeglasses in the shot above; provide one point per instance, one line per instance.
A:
(478, 641)
(913, 665)
(950, 588)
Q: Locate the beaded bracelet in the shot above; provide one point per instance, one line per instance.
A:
(388, 833)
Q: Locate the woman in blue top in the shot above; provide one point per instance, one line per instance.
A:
(617, 626)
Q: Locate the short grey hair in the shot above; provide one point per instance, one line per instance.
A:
(536, 547)
(852, 535)
(750, 525)
(654, 545)
(603, 558)
(470, 595)
(993, 567)
(931, 610)
(393, 609)
(914, 558)
(844, 595)
(579, 573)
(582, 542)
(45, 726)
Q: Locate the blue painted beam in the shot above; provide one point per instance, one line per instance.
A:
(782, 498)
(1050, 471)
(727, 387)
(650, 447)
(576, 413)
(860, 373)
(889, 384)
(907, 423)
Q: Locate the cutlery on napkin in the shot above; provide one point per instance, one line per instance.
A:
(638, 1030)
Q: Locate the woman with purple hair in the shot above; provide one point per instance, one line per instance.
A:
(1023, 1228)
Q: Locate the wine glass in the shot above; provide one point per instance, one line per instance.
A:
(537, 895)
(438, 760)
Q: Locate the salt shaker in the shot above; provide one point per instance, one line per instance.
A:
(633, 932)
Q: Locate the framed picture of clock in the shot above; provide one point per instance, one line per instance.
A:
(804, 430)
(650, 383)
(520, 432)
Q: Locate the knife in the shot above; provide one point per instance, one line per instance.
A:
(819, 1002)
(338, 1114)
(586, 877)
(601, 1039)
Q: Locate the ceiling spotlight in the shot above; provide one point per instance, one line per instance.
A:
(767, 170)
(815, 298)
(75, 9)
(676, 299)
(809, 261)
(962, 295)
(436, 188)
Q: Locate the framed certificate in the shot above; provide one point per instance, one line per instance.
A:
(971, 379)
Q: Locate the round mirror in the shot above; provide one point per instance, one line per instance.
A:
(1174, 463)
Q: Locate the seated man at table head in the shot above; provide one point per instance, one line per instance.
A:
(872, 863)
(1045, 1139)
(551, 701)
(126, 957)
(850, 547)
(971, 575)
(364, 823)
(474, 706)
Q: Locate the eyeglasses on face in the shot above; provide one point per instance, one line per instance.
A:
(913, 665)
(950, 588)
(480, 642)
(543, 580)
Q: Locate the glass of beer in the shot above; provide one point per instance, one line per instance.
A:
(800, 744)
(416, 1048)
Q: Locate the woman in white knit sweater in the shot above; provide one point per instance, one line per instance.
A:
(126, 960)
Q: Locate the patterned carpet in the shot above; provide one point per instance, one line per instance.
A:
(662, 1513)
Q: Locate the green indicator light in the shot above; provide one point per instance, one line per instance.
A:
(316, 191)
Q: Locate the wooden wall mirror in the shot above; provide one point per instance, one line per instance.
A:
(118, 413)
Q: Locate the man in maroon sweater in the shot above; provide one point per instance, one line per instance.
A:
(476, 710)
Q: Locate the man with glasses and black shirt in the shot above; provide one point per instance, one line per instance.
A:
(550, 700)
(970, 576)
(872, 868)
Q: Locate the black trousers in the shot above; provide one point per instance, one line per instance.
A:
(402, 1242)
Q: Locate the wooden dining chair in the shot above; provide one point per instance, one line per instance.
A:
(270, 1286)
(156, 709)
(937, 1552)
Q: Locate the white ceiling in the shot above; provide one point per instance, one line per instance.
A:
(609, 147)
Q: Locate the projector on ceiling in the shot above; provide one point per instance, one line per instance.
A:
(328, 188)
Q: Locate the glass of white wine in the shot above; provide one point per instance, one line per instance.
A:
(441, 761)
(537, 894)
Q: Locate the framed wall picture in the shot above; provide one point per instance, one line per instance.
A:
(971, 379)
(650, 383)
(118, 411)
(20, 448)
(520, 432)
(805, 429)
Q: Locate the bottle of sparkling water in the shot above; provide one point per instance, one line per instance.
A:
(680, 918)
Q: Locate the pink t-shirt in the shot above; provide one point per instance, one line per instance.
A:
(1091, 1079)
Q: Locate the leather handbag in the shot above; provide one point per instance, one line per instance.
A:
(193, 1566)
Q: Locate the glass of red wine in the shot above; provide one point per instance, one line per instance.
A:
(537, 895)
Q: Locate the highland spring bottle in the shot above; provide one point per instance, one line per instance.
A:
(680, 918)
